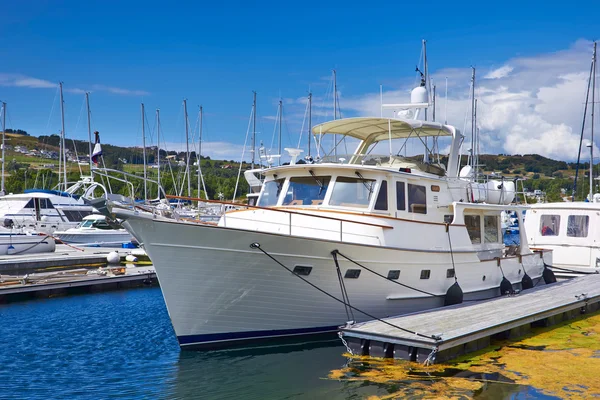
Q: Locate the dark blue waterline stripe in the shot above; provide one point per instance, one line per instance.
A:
(217, 337)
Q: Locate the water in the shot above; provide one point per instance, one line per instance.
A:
(121, 345)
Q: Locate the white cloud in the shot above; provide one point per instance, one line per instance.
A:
(22, 81)
(499, 73)
(532, 104)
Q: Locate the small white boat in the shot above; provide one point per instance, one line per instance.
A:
(94, 230)
(569, 230)
(13, 242)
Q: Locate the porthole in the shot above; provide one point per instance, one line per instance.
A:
(483, 279)
(425, 273)
(352, 273)
(393, 274)
(450, 273)
(302, 270)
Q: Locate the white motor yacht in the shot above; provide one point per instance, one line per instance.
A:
(385, 234)
(94, 230)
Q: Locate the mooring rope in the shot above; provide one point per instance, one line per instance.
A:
(334, 252)
(256, 245)
(343, 288)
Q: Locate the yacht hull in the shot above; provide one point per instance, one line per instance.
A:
(102, 239)
(219, 291)
(26, 244)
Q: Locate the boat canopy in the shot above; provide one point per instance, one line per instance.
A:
(373, 130)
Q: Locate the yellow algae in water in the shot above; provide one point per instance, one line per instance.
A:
(562, 360)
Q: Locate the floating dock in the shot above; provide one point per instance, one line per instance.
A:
(445, 333)
(50, 284)
(65, 256)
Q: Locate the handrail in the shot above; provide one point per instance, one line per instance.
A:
(277, 210)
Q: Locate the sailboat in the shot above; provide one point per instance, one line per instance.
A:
(375, 232)
(568, 228)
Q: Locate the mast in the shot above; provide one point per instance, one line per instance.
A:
(592, 142)
(253, 128)
(199, 152)
(144, 153)
(426, 75)
(309, 121)
(476, 148)
(62, 135)
(335, 111)
(3, 141)
(87, 103)
(473, 118)
(587, 97)
(280, 119)
(158, 150)
(187, 148)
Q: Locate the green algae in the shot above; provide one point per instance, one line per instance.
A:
(562, 360)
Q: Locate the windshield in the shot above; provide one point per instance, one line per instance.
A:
(307, 190)
(351, 192)
(270, 193)
(86, 224)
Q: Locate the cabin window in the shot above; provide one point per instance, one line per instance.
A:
(46, 203)
(306, 190)
(490, 228)
(352, 273)
(75, 215)
(393, 274)
(270, 193)
(549, 225)
(352, 192)
(382, 197)
(473, 224)
(425, 273)
(577, 225)
(302, 270)
(400, 196)
(30, 204)
(450, 273)
(417, 199)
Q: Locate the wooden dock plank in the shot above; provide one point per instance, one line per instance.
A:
(467, 322)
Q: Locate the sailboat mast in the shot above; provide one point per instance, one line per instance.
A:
(280, 119)
(309, 122)
(199, 152)
(253, 128)
(592, 138)
(335, 110)
(158, 151)
(3, 141)
(473, 118)
(62, 135)
(144, 153)
(187, 148)
(426, 77)
(87, 103)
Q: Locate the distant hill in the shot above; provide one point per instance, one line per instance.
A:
(220, 175)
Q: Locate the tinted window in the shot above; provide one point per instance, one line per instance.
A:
(352, 273)
(382, 198)
(270, 193)
(400, 196)
(425, 273)
(577, 225)
(549, 225)
(417, 199)
(30, 204)
(352, 192)
(394, 274)
(306, 191)
(302, 270)
(473, 223)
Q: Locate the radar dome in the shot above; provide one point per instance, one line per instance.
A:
(419, 95)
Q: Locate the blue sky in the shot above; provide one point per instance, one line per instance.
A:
(216, 54)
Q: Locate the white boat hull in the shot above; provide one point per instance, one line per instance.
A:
(218, 290)
(102, 239)
(26, 244)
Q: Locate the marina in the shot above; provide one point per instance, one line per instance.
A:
(284, 201)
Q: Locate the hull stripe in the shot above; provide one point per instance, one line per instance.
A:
(222, 337)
